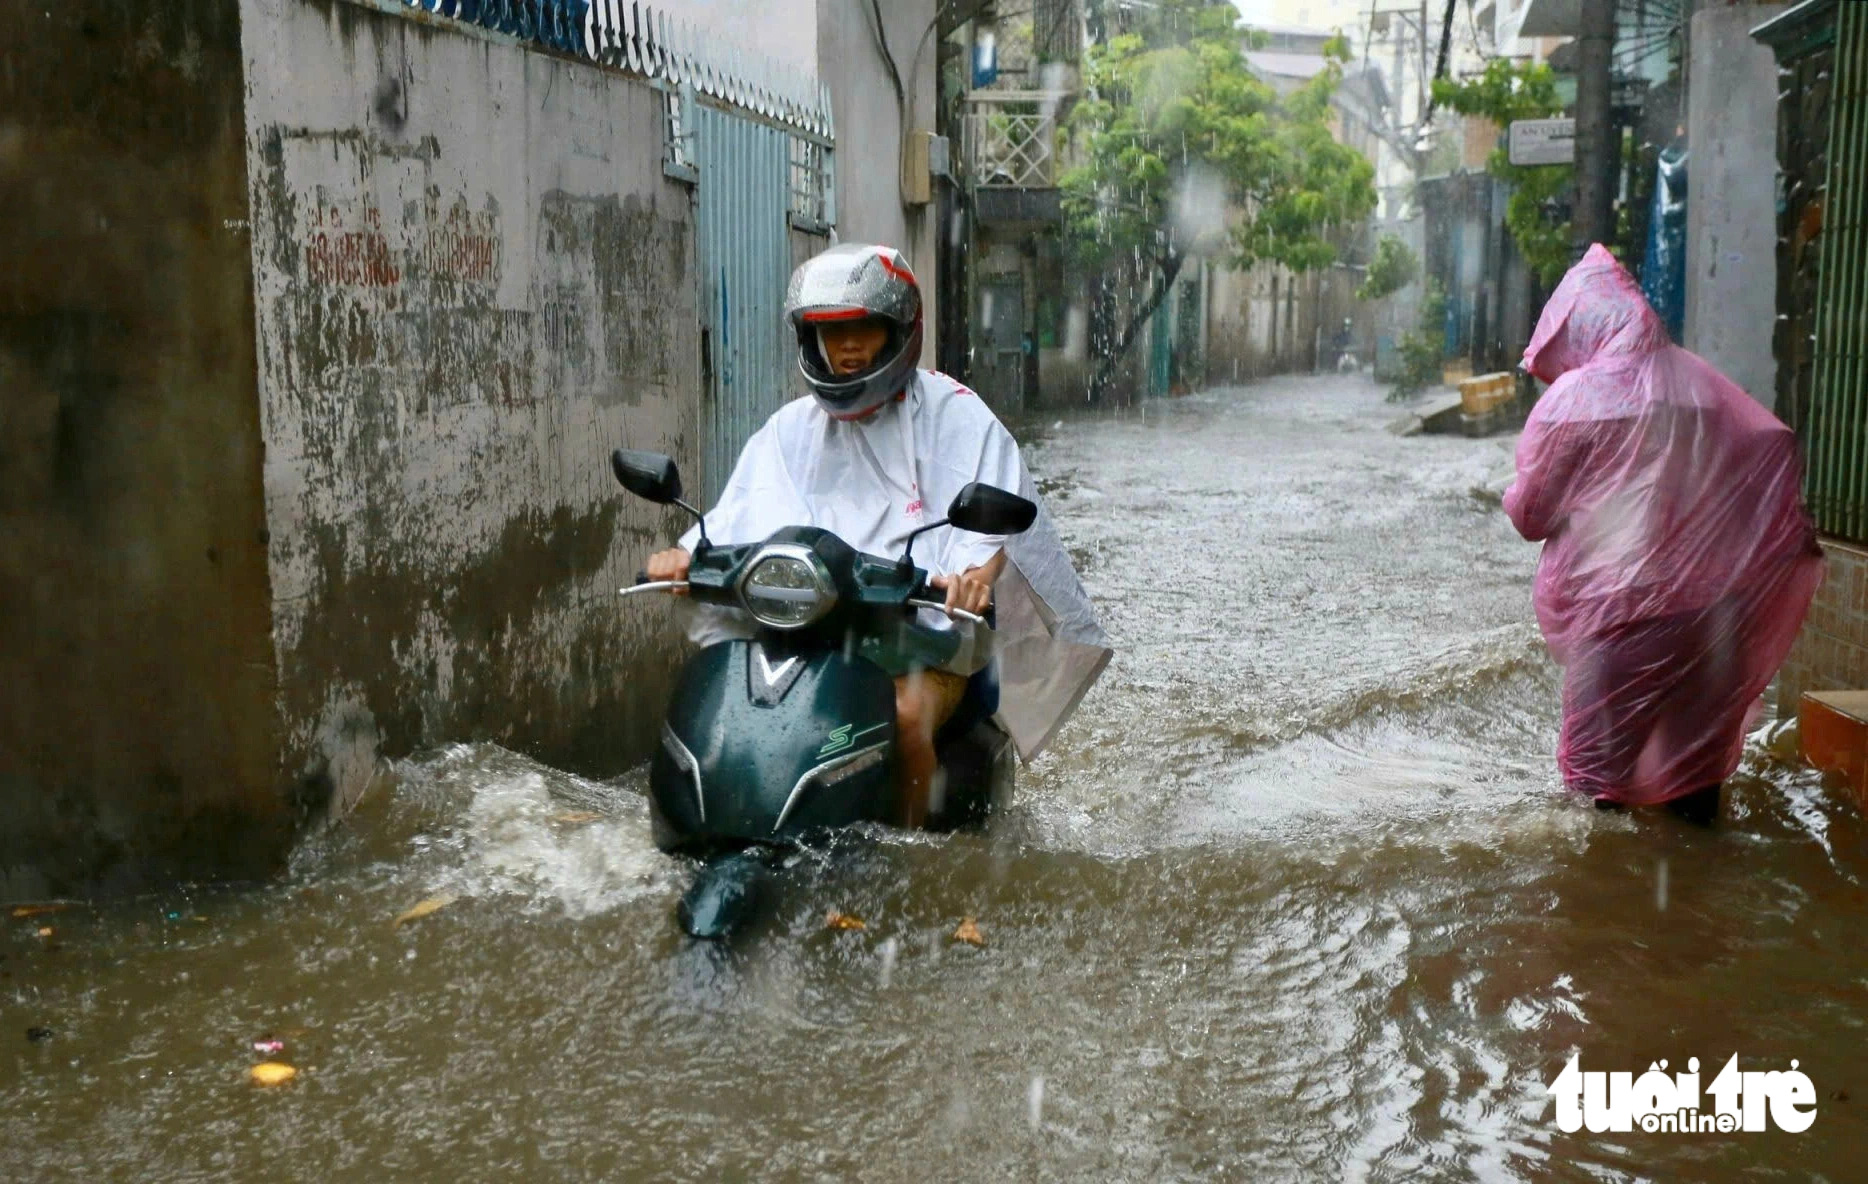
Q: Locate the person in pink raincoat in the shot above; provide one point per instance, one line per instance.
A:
(1678, 561)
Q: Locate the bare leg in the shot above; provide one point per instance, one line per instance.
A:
(924, 701)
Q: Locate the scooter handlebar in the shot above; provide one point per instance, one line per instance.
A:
(958, 614)
(653, 586)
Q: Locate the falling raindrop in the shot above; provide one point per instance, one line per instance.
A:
(1660, 885)
(887, 955)
(1034, 1103)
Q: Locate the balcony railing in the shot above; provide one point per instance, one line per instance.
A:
(1011, 140)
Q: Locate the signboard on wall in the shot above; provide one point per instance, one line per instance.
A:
(1542, 141)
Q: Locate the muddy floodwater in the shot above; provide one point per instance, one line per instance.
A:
(1296, 896)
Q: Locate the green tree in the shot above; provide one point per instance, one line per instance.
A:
(1393, 268)
(1423, 351)
(1185, 153)
(1505, 92)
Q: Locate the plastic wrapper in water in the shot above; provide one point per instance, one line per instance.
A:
(1678, 561)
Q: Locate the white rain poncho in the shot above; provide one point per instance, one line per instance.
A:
(875, 480)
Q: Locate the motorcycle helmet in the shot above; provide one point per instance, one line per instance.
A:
(856, 282)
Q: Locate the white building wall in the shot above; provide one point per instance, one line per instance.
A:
(1731, 210)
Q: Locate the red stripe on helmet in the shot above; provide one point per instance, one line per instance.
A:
(900, 273)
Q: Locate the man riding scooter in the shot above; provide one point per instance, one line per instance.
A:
(875, 456)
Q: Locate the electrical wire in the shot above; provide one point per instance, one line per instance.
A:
(888, 59)
(1439, 71)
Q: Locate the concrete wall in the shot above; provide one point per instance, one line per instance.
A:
(1731, 253)
(870, 128)
(1254, 329)
(1831, 653)
(136, 665)
(472, 281)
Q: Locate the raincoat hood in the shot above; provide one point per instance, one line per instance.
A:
(1597, 314)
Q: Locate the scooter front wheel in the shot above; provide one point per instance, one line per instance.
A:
(726, 894)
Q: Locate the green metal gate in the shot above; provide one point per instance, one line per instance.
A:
(1837, 430)
(743, 199)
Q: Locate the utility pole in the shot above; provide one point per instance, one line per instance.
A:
(1421, 72)
(1597, 153)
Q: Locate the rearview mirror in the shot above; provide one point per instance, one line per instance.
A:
(987, 509)
(649, 475)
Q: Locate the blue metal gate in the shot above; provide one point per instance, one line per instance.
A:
(744, 196)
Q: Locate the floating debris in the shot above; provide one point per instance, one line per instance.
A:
(39, 910)
(969, 933)
(272, 1073)
(576, 817)
(433, 904)
(835, 920)
(38, 1035)
(45, 931)
(268, 1046)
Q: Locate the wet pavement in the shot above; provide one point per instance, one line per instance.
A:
(1295, 897)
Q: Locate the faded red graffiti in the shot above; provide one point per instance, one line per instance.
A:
(352, 258)
(464, 247)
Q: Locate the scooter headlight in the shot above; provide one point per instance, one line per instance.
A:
(787, 588)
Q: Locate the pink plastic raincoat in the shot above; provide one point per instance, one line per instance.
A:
(1678, 561)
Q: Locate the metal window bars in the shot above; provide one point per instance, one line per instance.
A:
(1057, 30)
(812, 185)
(678, 134)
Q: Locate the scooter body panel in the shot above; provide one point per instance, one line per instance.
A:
(765, 743)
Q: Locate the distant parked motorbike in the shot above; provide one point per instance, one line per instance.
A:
(1347, 362)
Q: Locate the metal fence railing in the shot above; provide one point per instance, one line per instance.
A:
(689, 64)
(645, 40)
(1837, 430)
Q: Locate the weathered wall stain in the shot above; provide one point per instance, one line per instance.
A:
(455, 644)
(459, 318)
(315, 338)
(137, 734)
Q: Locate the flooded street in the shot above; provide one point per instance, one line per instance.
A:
(1296, 896)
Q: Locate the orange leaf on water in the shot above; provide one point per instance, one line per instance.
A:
(272, 1073)
(835, 920)
(969, 933)
(433, 904)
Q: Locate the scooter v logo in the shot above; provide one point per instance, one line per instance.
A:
(841, 739)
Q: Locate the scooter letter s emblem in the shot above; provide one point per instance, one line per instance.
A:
(842, 739)
(839, 740)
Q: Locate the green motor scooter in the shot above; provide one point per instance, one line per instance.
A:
(776, 741)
